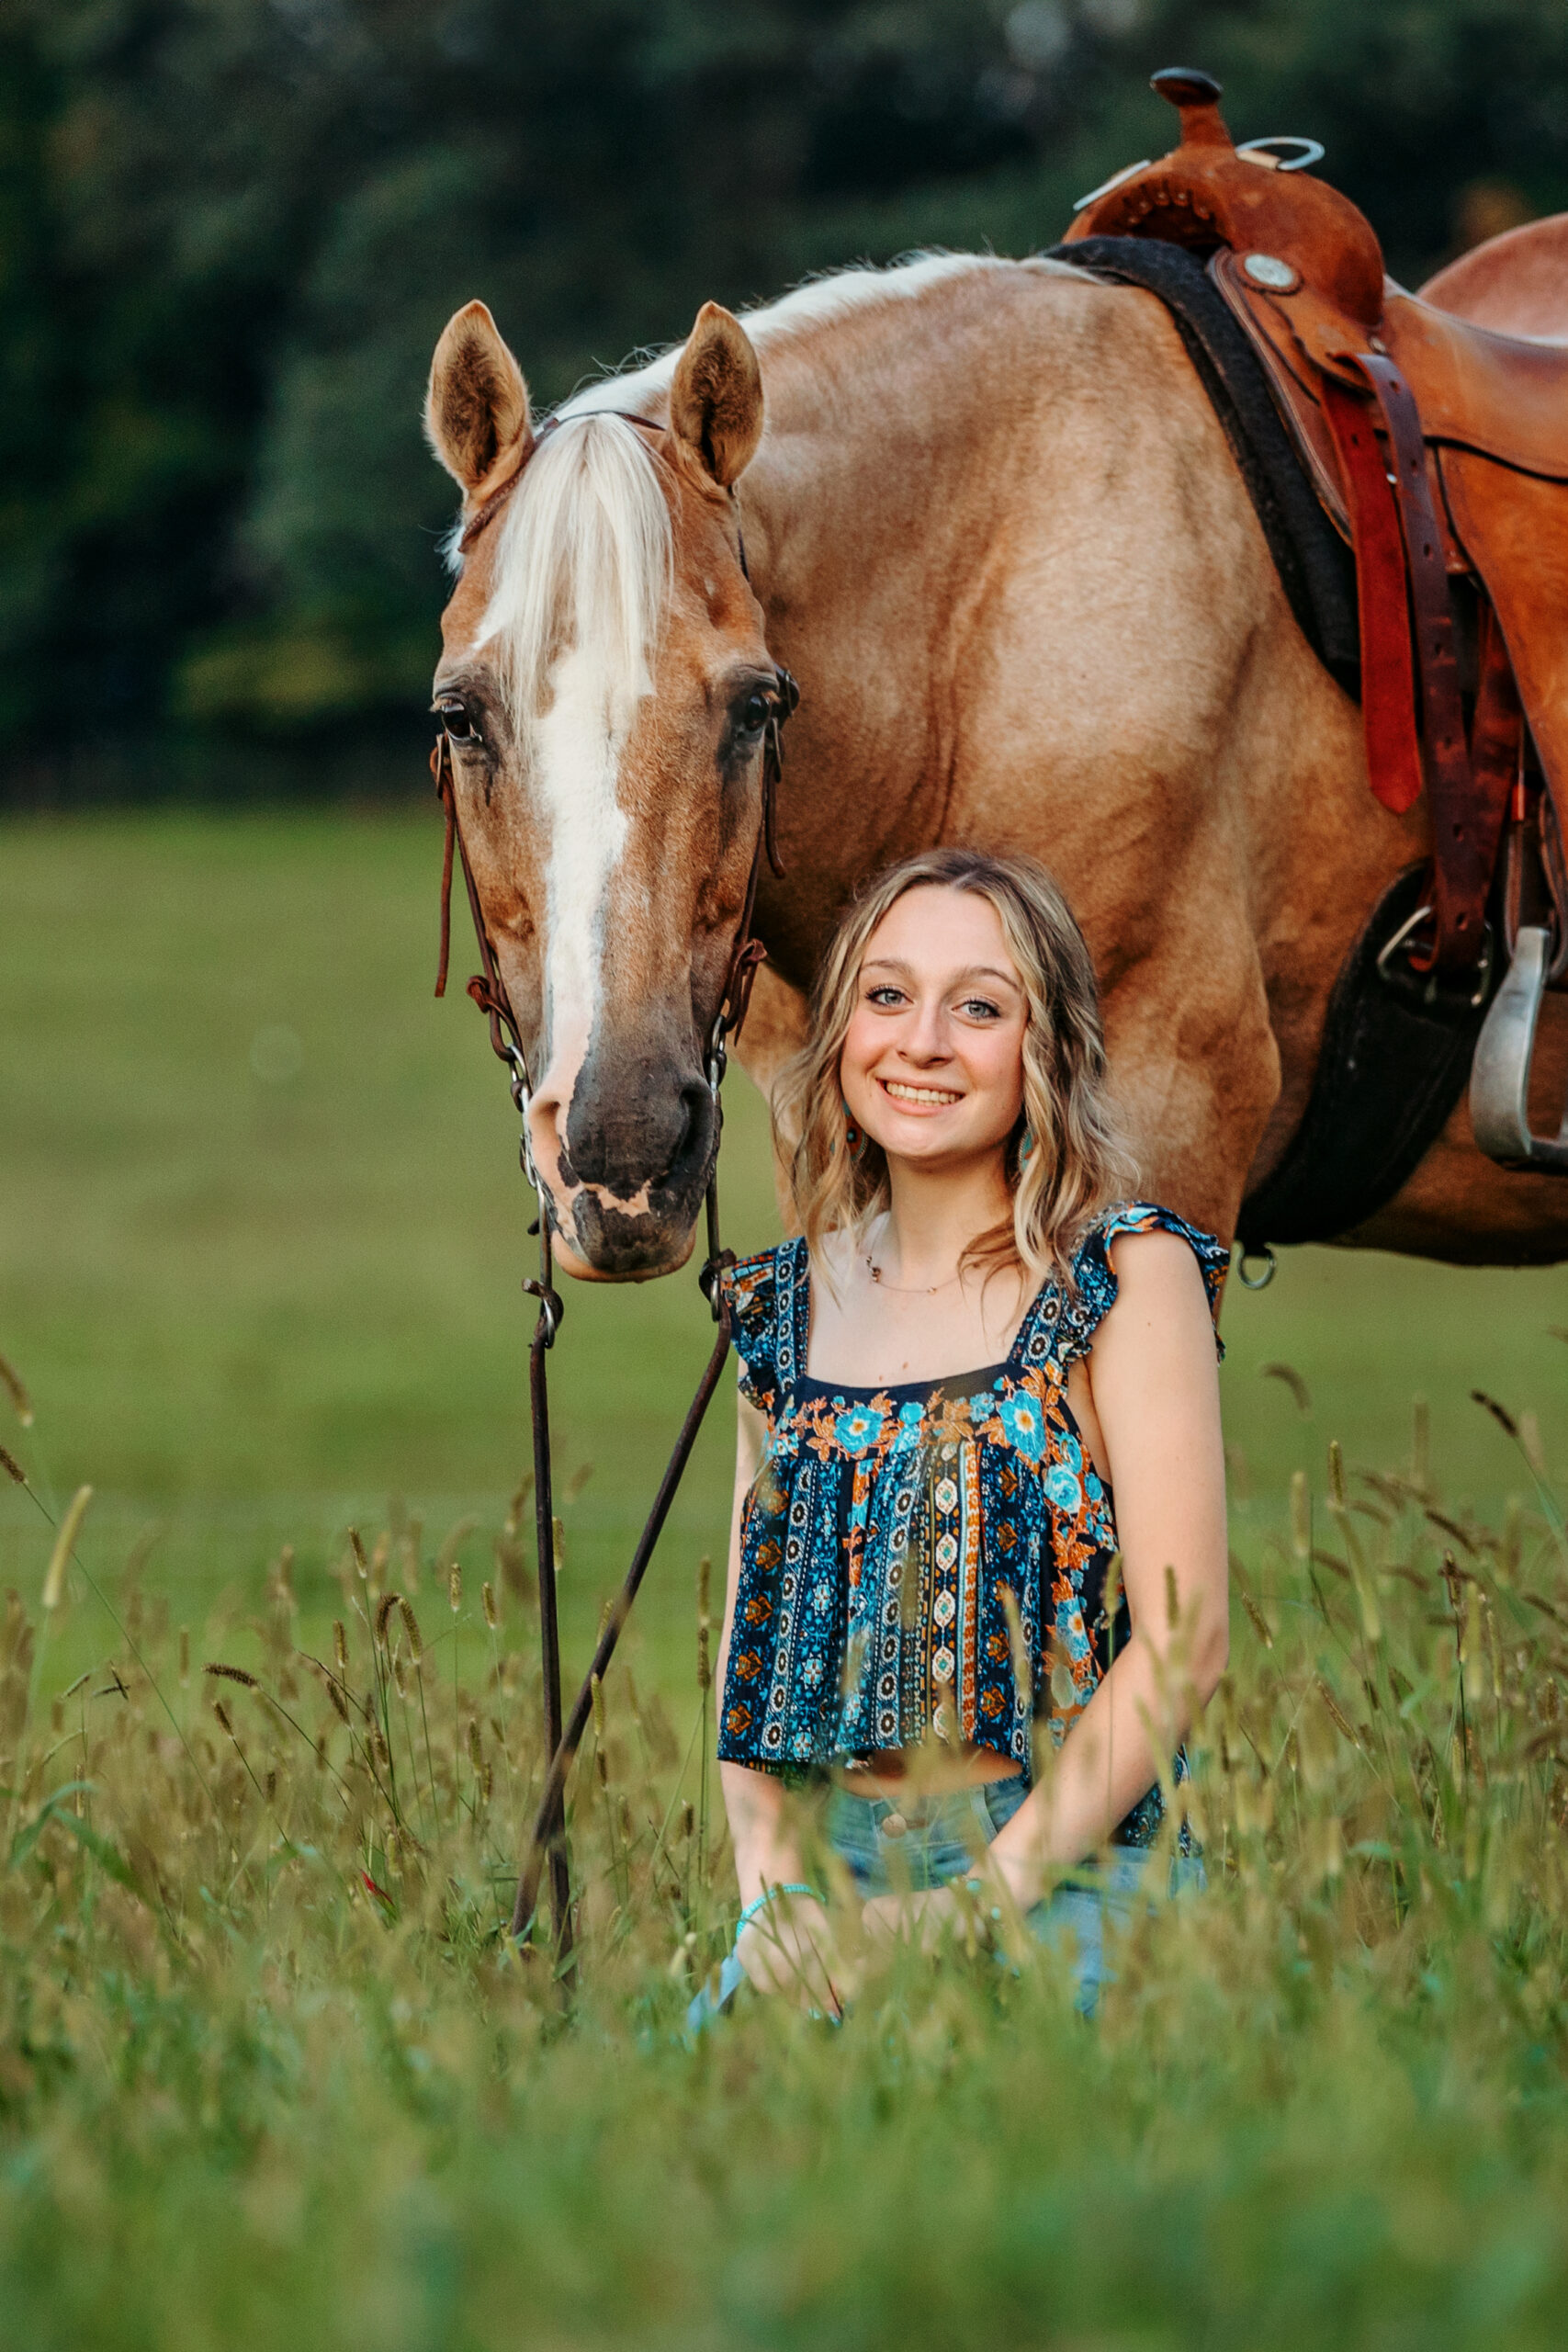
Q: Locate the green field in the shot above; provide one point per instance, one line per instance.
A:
(261, 1234)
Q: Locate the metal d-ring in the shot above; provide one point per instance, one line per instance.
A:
(1422, 914)
(551, 1306)
(1387, 950)
(1310, 150)
(1270, 1267)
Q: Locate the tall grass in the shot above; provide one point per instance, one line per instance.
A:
(270, 2071)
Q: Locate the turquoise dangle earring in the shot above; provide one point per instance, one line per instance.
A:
(1025, 1149)
(852, 1136)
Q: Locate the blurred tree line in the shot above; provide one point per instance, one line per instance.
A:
(231, 231)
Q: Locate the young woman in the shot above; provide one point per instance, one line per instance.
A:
(943, 1380)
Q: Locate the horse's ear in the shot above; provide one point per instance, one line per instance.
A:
(476, 407)
(716, 398)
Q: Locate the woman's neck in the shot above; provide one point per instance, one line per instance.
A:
(933, 1214)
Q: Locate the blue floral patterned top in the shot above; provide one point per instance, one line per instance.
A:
(883, 1530)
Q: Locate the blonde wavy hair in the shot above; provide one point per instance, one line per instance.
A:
(1077, 1164)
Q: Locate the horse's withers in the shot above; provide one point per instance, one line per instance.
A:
(606, 687)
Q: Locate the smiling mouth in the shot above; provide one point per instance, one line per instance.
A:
(923, 1098)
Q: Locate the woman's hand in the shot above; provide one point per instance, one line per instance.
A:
(788, 1947)
(922, 1919)
(936, 1917)
(940, 1915)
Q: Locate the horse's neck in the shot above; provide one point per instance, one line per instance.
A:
(875, 510)
(1003, 544)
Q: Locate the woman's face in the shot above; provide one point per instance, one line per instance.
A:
(932, 1063)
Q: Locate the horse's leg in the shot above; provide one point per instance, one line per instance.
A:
(1194, 1062)
(774, 1029)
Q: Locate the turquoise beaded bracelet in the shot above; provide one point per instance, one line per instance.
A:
(760, 1901)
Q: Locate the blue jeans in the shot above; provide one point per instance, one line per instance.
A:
(889, 1847)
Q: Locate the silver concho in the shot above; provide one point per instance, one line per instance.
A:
(1268, 269)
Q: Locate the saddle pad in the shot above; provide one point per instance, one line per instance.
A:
(1316, 569)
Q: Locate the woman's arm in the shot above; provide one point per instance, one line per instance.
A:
(1157, 1403)
(780, 1949)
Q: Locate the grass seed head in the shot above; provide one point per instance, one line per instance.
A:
(454, 1587)
(21, 1403)
(222, 1712)
(519, 1504)
(1259, 1622)
(12, 1467)
(231, 1674)
(1335, 1474)
(487, 1594)
(339, 1646)
(1336, 1712)
(357, 1548)
(64, 1544)
(185, 1657)
(1301, 1516)
(389, 1604)
(410, 1627)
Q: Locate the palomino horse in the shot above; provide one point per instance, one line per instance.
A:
(992, 526)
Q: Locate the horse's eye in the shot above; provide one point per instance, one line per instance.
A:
(755, 713)
(457, 720)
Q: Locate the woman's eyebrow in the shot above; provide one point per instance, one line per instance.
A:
(988, 972)
(970, 972)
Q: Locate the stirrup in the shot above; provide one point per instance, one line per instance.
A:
(1499, 1077)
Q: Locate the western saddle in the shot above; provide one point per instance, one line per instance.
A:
(1434, 428)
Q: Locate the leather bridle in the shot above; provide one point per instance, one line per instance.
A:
(487, 988)
(489, 991)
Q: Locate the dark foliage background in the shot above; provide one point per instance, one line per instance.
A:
(231, 231)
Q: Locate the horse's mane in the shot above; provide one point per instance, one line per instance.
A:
(585, 554)
(830, 294)
(584, 558)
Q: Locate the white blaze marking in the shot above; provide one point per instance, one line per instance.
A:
(578, 746)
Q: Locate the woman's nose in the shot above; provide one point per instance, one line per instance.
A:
(927, 1038)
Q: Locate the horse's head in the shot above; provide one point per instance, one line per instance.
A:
(607, 690)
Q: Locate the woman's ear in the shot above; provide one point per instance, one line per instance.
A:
(716, 397)
(475, 411)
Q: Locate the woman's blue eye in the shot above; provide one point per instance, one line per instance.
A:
(884, 996)
(981, 1010)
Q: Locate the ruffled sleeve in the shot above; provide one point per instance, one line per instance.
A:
(1097, 1283)
(751, 1289)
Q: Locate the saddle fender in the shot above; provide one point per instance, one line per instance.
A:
(1437, 447)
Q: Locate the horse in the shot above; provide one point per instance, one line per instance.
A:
(984, 512)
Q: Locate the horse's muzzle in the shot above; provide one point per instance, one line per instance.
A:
(632, 1178)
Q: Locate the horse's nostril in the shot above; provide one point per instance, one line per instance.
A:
(696, 1105)
(639, 1130)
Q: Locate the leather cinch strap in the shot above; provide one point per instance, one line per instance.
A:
(1399, 547)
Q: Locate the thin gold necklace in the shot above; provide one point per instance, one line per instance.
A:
(905, 1290)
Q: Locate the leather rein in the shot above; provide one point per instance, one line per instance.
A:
(546, 1844)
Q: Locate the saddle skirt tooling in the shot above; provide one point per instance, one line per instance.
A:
(1436, 443)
